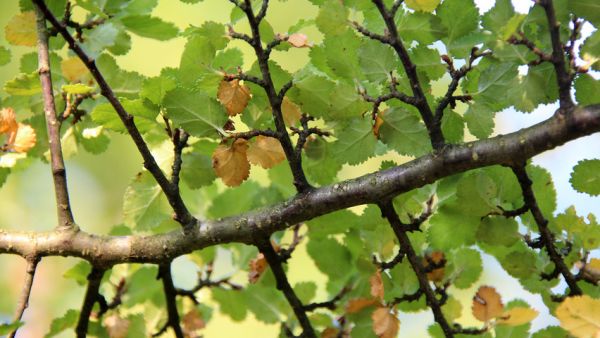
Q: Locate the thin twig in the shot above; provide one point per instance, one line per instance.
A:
(330, 304)
(164, 273)
(25, 292)
(91, 297)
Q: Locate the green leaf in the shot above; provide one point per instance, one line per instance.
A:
(331, 19)
(312, 94)
(403, 131)
(230, 303)
(587, 9)
(356, 142)
(590, 50)
(453, 126)
(452, 227)
(460, 17)
(247, 196)
(78, 88)
(264, 301)
(586, 177)
(144, 204)
(140, 291)
(150, 27)
(195, 112)
(537, 87)
(341, 54)
(550, 332)
(24, 85)
(423, 5)
(319, 162)
(476, 191)
(67, 321)
(428, 60)
(306, 291)
(498, 230)
(79, 272)
(5, 329)
(5, 55)
(422, 27)
(123, 83)
(498, 78)
(155, 88)
(336, 263)
(196, 58)
(196, 170)
(586, 90)
(464, 267)
(144, 116)
(214, 32)
(498, 16)
(480, 120)
(403, 281)
(377, 60)
(100, 38)
(137, 326)
(519, 264)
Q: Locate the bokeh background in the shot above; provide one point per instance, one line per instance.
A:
(97, 184)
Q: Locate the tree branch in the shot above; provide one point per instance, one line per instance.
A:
(25, 292)
(500, 150)
(59, 173)
(183, 216)
(388, 211)
(91, 297)
(164, 273)
(266, 248)
(546, 236)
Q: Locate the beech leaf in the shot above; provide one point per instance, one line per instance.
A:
(21, 30)
(376, 285)
(385, 324)
(487, 304)
(358, 304)
(291, 112)
(518, 316)
(231, 162)
(580, 315)
(233, 96)
(258, 265)
(265, 151)
(298, 40)
(22, 139)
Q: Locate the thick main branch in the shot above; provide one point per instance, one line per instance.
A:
(508, 149)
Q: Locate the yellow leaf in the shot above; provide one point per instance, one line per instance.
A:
(357, 304)
(24, 139)
(298, 40)
(231, 162)
(8, 122)
(21, 30)
(234, 96)
(385, 324)
(580, 315)
(422, 5)
(74, 70)
(487, 304)
(290, 111)
(376, 285)
(266, 152)
(518, 316)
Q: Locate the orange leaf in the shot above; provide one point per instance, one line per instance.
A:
(291, 112)
(376, 285)
(22, 139)
(116, 326)
(192, 322)
(234, 96)
(487, 304)
(257, 265)
(21, 30)
(357, 304)
(231, 162)
(7, 121)
(266, 152)
(385, 324)
(436, 257)
(330, 332)
(378, 123)
(518, 316)
(74, 70)
(298, 40)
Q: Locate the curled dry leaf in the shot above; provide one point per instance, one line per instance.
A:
(265, 151)
(8, 123)
(290, 111)
(385, 323)
(487, 304)
(434, 258)
(358, 304)
(21, 30)
(580, 315)
(378, 123)
(231, 162)
(116, 326)
(24, 139)
(518, 316)
(258, 265)
(376, 285)
(330, 332)
(233, 96)
(298, 40)
(192, 322)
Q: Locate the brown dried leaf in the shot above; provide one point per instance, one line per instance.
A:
(74, 70)
(376, 285)
(8, 123)
(266, 152)
(385, 324)
(436, 275)
(580, 315)
(290, 111)
(257, 265)
(231, 162)
(234, 96)
(298, 40)
(116, 326)
(22, 139)
(518, 316)
(487, 304)
(330, 332)
(357, 304)
(378, 123)
(21, 30)
(192, 322)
